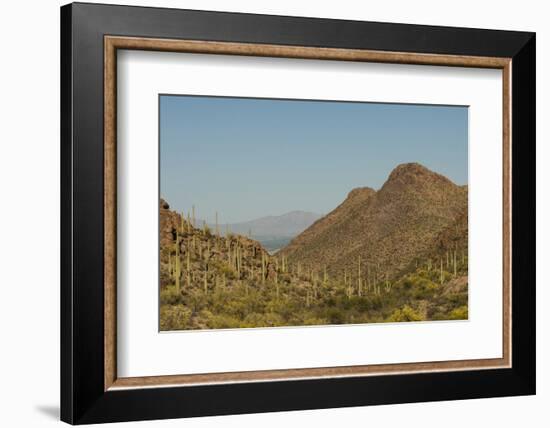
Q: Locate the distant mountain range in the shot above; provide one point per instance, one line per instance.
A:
(274, 232)
(285, 225)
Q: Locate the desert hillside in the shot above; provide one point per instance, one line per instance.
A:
(396, 254)
(410, 218)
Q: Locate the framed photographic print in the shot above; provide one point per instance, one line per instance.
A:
(265, 213)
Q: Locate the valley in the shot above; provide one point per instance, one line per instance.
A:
(392, 255)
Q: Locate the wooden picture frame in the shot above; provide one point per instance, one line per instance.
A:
(91, 390)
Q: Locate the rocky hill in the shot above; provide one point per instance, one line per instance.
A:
(416, 214)
(193, 256)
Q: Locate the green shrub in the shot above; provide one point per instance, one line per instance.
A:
(425, 290)
(225, 270)
(406, 313)
(222, 321)
(314, 321)
(336, 316)
(458, 299)
(170, 296)
(174, 317)
(460, 313)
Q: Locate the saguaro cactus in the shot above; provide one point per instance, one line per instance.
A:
(359, 276)
(263, 268)
(177, 267)
(454, 262)
(238, 260)
(345, 278)
(387, 286)
(277, 285)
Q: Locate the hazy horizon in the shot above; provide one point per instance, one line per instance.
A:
(251, 158)
(211, 222)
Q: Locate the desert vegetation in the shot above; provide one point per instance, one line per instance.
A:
(409, 263)
(225, 299)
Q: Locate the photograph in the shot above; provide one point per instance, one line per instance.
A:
(280, 210)
(284, 212)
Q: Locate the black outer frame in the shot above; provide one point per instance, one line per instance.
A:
(83, 399)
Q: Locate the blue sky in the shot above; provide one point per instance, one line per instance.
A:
(248, 158)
